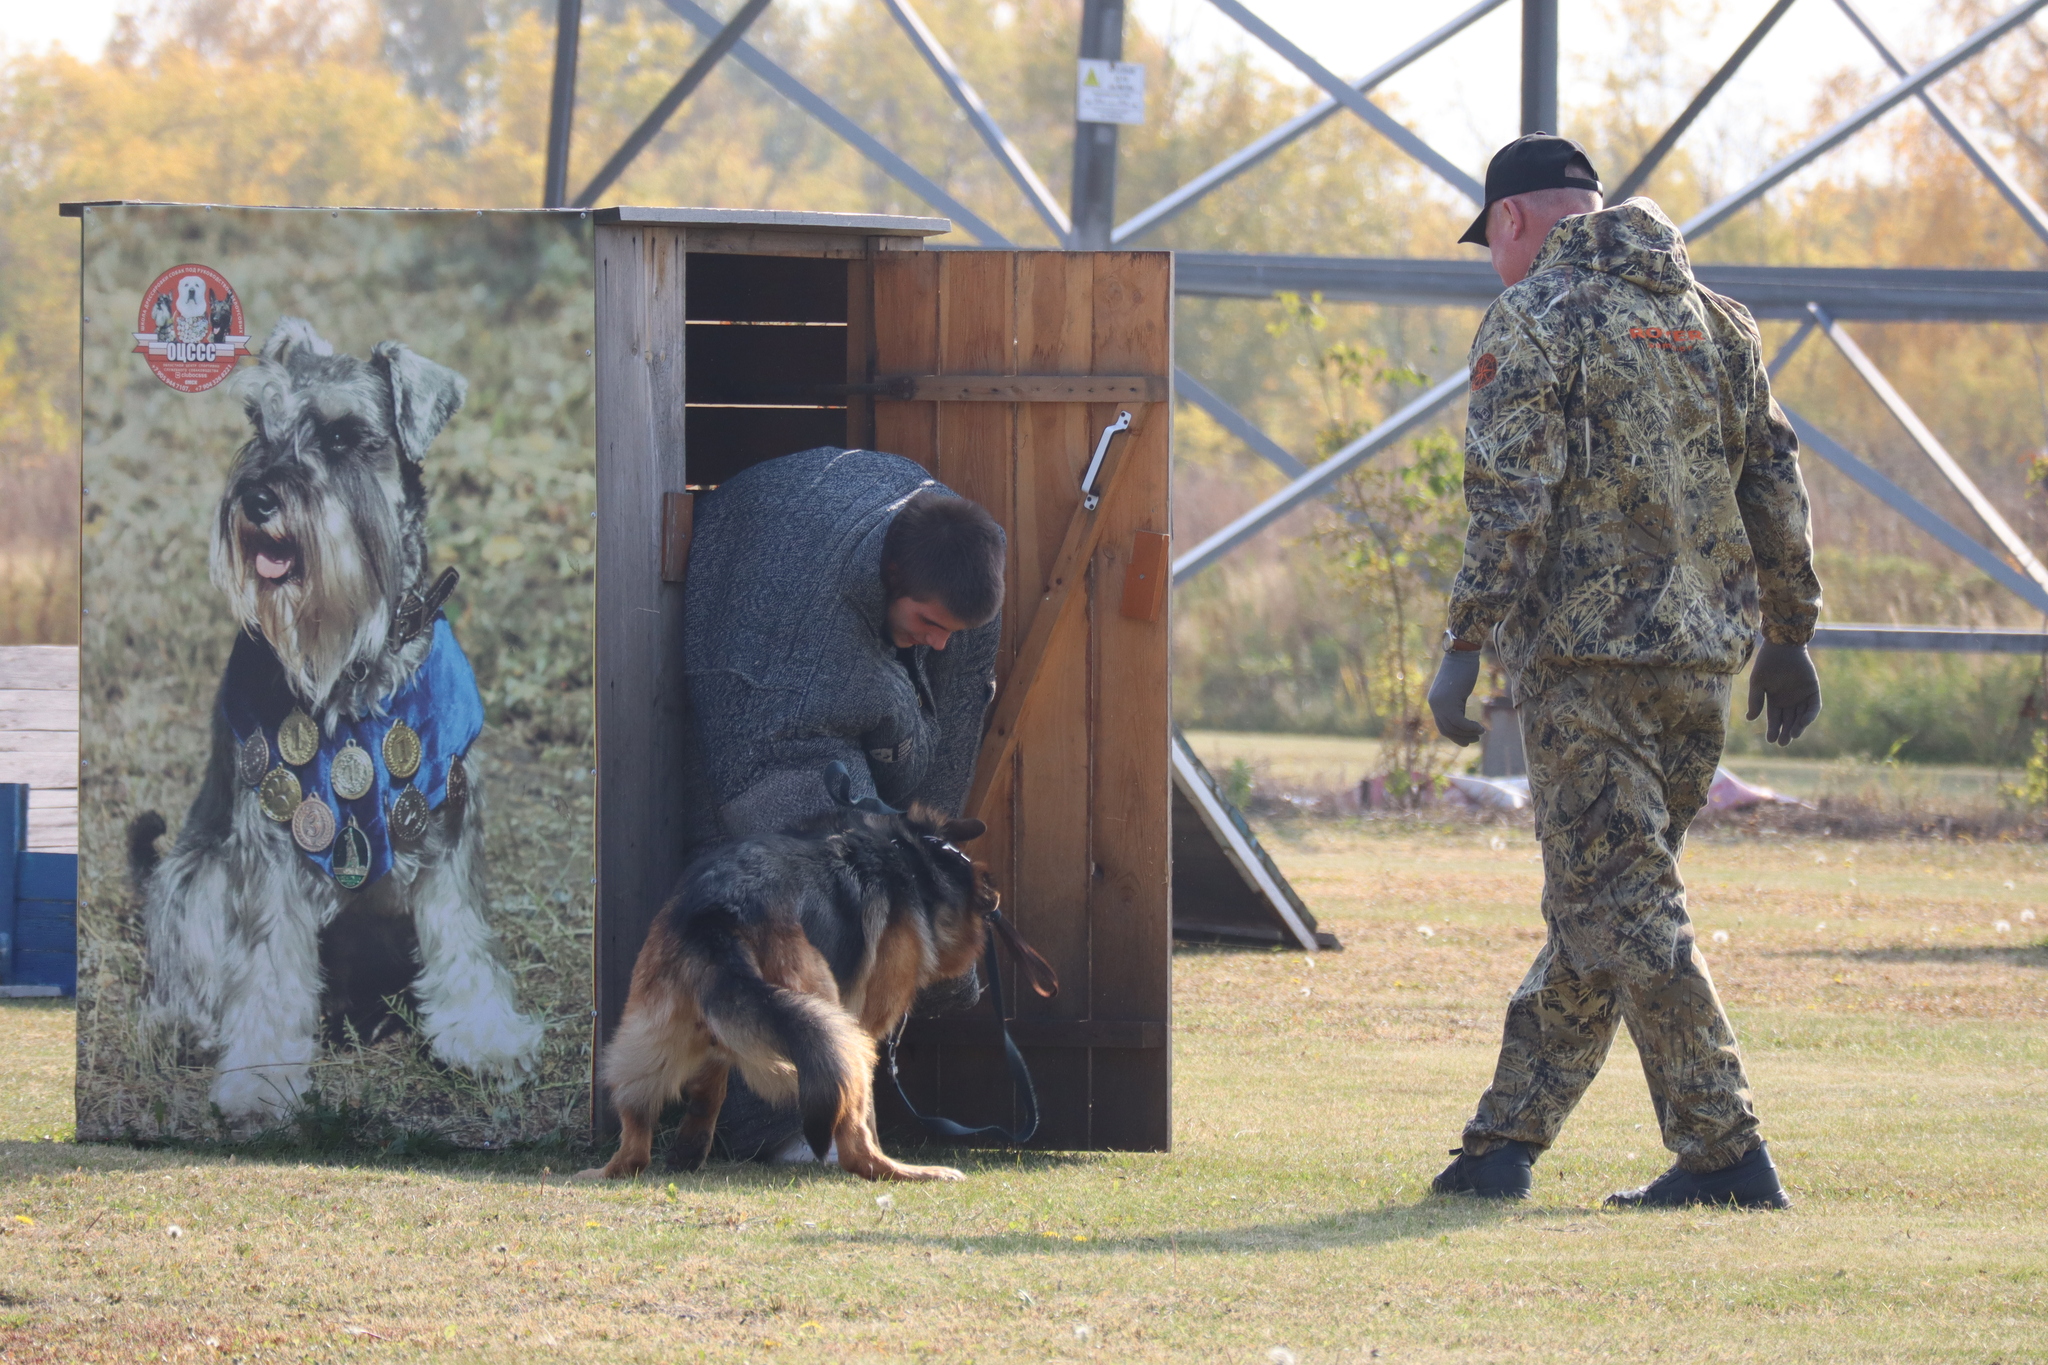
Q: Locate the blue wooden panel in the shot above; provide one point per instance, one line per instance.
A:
(46, 927)
(38, 904)
(47, 877)
(47, 969)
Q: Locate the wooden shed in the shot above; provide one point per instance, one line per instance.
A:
(1001, 372)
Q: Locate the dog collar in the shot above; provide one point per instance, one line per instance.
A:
(353, 792)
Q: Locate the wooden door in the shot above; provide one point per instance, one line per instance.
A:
(998, 371)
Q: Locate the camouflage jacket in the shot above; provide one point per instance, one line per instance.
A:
(1634, 490)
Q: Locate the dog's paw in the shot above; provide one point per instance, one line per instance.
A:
(879, 1167)
(927, 1173)
(255, 1096)
(593, 1173)
(490, 1038)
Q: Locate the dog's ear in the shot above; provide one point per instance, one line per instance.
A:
(293, 336)
(964, 831)
(423, 395)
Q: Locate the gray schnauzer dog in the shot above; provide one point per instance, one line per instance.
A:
(333, 860)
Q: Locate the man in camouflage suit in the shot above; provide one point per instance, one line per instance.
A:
(1637, 516)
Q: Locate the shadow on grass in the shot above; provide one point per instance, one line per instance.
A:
(1432, 1217)
(2019, 955)
(338, 1139)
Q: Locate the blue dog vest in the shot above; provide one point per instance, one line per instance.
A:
(439, 701)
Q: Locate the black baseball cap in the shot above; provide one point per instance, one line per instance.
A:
(1534, 161)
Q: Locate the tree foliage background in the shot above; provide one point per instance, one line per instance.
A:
(443, 102)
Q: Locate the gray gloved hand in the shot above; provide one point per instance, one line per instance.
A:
(1455, 678)
(1783, 675)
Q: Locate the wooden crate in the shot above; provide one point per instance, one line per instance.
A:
(997, 371)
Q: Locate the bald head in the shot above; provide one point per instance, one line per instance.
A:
(1517, 225)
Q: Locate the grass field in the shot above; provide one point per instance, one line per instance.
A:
(1896, 1034)
(1328, 763)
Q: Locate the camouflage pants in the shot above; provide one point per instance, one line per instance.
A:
(1620, 760)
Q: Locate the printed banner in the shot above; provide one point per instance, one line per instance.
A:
(336, 822)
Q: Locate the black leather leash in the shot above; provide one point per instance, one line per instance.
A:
(1020, 1073)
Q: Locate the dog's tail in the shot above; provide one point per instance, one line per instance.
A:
(143, 832)
(785, 1040)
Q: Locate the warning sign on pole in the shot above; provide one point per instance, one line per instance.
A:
(1110, 92)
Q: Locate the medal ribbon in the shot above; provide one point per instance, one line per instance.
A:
(439, 701)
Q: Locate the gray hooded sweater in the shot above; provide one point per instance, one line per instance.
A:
(788, 662)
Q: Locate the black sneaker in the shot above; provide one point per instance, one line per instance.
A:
(1502, 1173)
(1751, 1183)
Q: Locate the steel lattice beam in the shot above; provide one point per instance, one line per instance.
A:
(1634, 180)
(658, 117)
(2022, 202)
(801, 95)
(1319, 480)
(1336, 87)
(1864, 294)
(1930, 446)
(1237, 424)
(1719, 212)
(1250, 155)
(554, 190)
(1014, 163)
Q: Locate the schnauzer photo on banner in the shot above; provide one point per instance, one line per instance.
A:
(336, 816)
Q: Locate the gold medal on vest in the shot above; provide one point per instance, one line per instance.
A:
(458, 781)
(402, 751)
(298, 739)
(252, 760)
(313, 825)
(408, 819)
(352, 856)
(280, 794)
(353, 774)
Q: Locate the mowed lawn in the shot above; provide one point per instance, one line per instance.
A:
(1897, 1037)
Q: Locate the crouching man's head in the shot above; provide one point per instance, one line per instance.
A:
(942, 567)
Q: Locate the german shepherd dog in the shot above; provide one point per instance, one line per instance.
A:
(789, 957)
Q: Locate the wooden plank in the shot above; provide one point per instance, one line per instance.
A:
(1048, 774)
(1025, 388)
(780, 221)
(41, 771)
(975, 459)
(641, 274)
(906, 341)
(21, 709)
(38, 742)
(39, 667)
(771, 242)
(1147, 574)
(1062, 593)
(53, 820)
(1130, 894)
(860, 340)
(678, 518)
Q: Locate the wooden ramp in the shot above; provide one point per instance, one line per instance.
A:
(39, 739)
(1226, 889)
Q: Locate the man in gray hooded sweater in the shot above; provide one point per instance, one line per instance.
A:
(842, 606)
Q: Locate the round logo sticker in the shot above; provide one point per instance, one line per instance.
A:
(1483, 371)
(189, 328)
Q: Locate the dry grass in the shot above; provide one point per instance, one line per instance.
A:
(1900, 1057)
